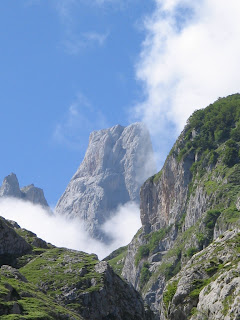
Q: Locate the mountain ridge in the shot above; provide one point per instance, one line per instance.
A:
(192, 201)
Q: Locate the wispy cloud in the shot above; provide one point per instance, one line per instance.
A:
(75, 44)
(79, 120)
(74, 40)
(189, 58)
(95, 37)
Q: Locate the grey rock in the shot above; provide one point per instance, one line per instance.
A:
(164, 201)
(11, 272)
(34, 195)
(16, 309)
(10, 242)
(10, 188)
(116, 300)
(116, 163)
(215, 274)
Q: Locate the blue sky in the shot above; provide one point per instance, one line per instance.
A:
(69, 67)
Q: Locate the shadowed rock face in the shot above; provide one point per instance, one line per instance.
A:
(10, 242)
(10, 188)
(117, 162)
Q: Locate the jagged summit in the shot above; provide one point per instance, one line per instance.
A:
(10, 188)
(118, 160)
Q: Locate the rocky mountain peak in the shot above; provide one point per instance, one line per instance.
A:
(34, 195)
(115, 165)
(10, 188)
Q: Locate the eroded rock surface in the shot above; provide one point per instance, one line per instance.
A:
(116, 163)
(208, 287)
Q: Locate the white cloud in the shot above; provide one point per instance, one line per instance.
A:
(123, 225)
(189, 58)
(80, 119)
(70, 233)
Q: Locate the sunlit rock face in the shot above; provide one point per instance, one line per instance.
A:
(10, 188)
(118, 160)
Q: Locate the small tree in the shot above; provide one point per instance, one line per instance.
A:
(231, 153)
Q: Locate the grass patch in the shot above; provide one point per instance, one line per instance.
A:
(117, 262)
(59, 269)
(153, 240)
(33, 303)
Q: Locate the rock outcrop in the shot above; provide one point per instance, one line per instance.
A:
(116, 163)
(10, 188)
(208, 287)
(11, 244)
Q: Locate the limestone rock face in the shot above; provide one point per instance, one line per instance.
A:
(10, 188)
(163, 201)
(117, 299)
(34, 195)
(116, 163)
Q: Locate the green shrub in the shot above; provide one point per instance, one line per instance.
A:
(145, 274)
(231, 153)
(231, 214)
(197, 286)
(235, 133)
(191, 251)
(169, 293)
(211, 218)
(143, 251)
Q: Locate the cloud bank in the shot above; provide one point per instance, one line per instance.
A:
(70, 233)
(190, 58)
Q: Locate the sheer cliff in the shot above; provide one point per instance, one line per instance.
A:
(191, 202)
(118, 160)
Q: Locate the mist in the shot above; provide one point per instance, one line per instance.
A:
(70, 233)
